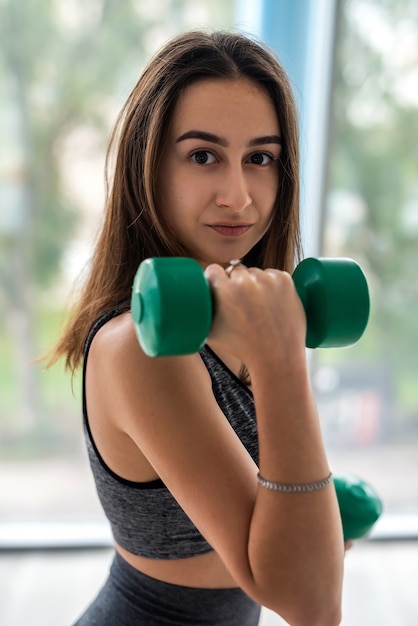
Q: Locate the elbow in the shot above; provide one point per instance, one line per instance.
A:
(301, 617)
(306, 616)
(325, 617)
(305, 612)
(301, 599)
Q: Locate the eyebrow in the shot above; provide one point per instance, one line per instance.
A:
(205, 136)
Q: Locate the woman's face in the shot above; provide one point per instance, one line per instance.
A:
(219, 173)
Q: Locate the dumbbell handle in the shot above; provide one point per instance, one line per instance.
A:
(172, 304)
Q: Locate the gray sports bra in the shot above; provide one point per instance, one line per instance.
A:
(145, 518)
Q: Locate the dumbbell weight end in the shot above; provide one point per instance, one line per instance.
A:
(335, 297)
(171, 306)
(360, 505)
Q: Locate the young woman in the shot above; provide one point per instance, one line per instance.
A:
(190, 454)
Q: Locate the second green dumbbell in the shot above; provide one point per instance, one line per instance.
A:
(172, 305)
(360, 506)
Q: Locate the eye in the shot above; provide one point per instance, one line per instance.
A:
(203, 157)
(260, 158)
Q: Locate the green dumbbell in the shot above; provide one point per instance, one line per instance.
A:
(172, 304)
(360, 506)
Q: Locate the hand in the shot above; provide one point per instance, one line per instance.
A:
(257, 312)
(348, 545)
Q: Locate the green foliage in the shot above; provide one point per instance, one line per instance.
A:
(56, 428)
(60, 77)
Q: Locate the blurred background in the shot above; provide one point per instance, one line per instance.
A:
(66, 67)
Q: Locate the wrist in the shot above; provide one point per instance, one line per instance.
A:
(279, 369)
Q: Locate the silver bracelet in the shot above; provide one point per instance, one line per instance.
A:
(295, 488)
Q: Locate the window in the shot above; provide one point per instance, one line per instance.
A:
(65, 69)
(368, 394)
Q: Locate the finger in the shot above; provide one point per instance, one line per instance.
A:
(235, 265)
(215, 273)
(348, 545)
(274, 272)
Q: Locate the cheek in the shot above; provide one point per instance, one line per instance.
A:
(265, 188)
(176, 211)
(188, 198)
(273, 197)
(176, 188)
(269, 203)
(270, 208)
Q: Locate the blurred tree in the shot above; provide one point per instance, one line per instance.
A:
(63, 64)
(374, 157)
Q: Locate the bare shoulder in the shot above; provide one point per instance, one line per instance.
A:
(116, 335)
(114, 347)
(120, 366)
(117, 340)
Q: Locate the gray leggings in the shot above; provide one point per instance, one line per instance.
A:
(130, 598)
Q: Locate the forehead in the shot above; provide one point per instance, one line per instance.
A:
(225, 105)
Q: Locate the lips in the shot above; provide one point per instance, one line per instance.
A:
(231, 230)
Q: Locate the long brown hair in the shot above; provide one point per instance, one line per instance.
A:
(133, 227)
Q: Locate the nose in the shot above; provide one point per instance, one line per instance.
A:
(233, 192)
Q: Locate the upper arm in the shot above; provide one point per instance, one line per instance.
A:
(167, 407)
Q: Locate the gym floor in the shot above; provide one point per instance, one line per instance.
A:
(50, 588)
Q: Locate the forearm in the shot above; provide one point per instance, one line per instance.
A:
(295, 541)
